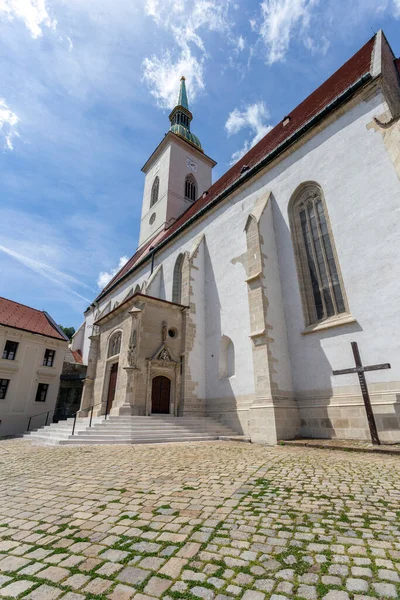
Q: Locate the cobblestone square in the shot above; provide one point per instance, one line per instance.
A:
(197, 521)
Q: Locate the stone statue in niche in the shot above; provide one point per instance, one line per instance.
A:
(132, 350)
(164, 332)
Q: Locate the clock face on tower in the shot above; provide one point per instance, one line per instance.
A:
(191, 165)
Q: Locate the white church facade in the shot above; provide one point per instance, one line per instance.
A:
(244, 295)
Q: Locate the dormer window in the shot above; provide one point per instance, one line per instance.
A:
(190, 188)
(154, 191)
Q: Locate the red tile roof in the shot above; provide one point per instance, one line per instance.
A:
(77, 354)
(348, 75)
(19, 316)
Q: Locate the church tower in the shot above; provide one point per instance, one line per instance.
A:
(176, 174)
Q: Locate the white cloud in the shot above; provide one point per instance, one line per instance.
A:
(253, 118)
(185, 21)
(8, 124)
(396, 7)
(54, 275)
(162, 74)
(280, 21)
(32, 12)
(106, 276)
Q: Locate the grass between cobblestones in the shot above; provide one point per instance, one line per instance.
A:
(198, 522)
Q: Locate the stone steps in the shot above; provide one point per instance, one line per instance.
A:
(133, 430)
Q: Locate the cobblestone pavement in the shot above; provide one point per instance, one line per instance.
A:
(197, 522)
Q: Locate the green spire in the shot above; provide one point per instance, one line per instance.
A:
(181, 117)
(182, 98)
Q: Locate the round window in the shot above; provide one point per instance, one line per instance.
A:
(152, 218)
(172, 332)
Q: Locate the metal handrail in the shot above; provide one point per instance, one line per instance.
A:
(91, 414)
(38, 415)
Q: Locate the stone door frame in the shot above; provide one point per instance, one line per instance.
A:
(169, 369)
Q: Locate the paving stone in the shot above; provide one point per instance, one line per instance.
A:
(114, 555)
(189, 550)
(13, 563)
(98, 586)
(54, 574)
(109, 569)
(122, 592)
(173, 567)
(157, 586)
(32, 569)
(336, 595)
(307, 591)
(44, 592)
(73, 596)
(357, 585)
(152, 563)
(252, 595)
(388, 575)
(4, 579)
(76, 581)
(385, 590)
(266, 585)
(202, 592)
(15, 589)
(133, 575)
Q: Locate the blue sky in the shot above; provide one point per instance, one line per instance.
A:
(85, 91)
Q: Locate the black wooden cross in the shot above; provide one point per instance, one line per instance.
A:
(360, 370)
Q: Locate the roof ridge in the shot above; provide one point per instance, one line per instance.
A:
(21, 304)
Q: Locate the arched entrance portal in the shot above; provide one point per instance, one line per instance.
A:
(160, 395)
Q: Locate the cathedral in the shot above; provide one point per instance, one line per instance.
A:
(244, 295)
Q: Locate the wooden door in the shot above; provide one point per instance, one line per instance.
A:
(160, 395)
(111, 386)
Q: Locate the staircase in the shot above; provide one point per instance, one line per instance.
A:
(155, 429)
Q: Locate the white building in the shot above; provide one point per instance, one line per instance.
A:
(32, 349)
(244, 295)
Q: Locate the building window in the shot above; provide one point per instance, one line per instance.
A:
(190, 188)
(48, 360)
(226, 358)
(177, 280)
(10, 350)
(154, 191)
(114, 345)
(41, 392)
(317, 264)
(3, 388)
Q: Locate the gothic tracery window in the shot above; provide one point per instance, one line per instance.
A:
(317, 264)
(177, 280)
(114, 345)
(190, 188)
(154, 191)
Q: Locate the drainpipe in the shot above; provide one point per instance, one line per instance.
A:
(152, 250)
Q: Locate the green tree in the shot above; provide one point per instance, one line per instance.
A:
(69, 331)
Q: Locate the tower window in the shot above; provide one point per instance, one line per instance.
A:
(190, 188)
(154, 191)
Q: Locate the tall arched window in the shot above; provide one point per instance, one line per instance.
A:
(226, 357)
(190, 188)
(154, 191)
(318, 269)
(114, 345)
(177, 280)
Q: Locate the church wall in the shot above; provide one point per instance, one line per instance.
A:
(362, 194)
